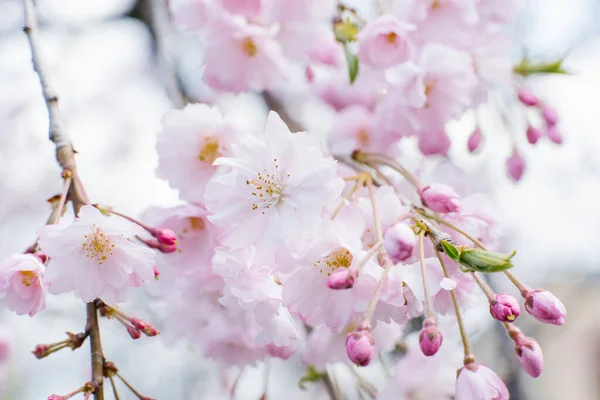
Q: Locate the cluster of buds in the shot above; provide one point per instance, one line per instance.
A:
(135, 326)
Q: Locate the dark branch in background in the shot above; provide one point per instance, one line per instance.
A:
(66, 159)
(155, 14)
(274, 104)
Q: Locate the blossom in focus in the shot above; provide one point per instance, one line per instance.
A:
(94, 257)
(384, 42)
(399, 242)
(189, 142)
(478, 382)
(360, 346)
(21, 284)
(276, 187)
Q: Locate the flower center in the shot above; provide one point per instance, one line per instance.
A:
(339, 257)
(196, 223)
(30, 278)
(98, 246)
(391, 37)
(267, 189)
(209, 151)
(249, 47)
(363, 138)
(436, 5)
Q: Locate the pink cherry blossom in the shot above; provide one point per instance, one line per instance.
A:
(384, 42)
(430, 338)
(478, 382)
(399, 242)
(94, 257)
(530, 355)
(545, 307)
(360, 345)
(505, 308)
(440, 198)
(276, 187)
(250, 8)
(353, 128)
(21, 284)
(533, 134)
(240, 55)
(189, 142)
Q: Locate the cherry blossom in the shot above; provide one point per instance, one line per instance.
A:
(189, 142)
(94, 257)
(22, 285)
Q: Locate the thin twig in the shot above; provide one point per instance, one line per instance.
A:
(66, 159)
(135, 392)
(114, 387)
(161, 26)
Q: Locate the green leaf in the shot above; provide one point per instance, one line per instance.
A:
(450, 250)
(352, 61)
(526, 68)
(485, 261)
(311, 375)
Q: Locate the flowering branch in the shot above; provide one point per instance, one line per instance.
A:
(66, 159)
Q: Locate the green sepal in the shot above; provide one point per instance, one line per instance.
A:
(450, 250)
(526, 68)
(311, 375)
(352, 61)
(485, 261)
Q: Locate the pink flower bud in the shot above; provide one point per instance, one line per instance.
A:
(554, 134)
(156, 272)
(165, 236)
(41, 256)
(4, 350)
(475, 140)
(533, 134)
(41, 350)
(476, 381)
(134, 332)
(530, 355)
(545, 307)
(143, 326)
(528, 98)
(56, 397)
(360, 345)
(163, 248)
(309, 73)
(505, 308)
(549, 115)
(515, 166)
(430, 338)
(440, 198)
(342, 278)
(399, 242)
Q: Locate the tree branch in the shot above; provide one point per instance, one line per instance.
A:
(66, 159)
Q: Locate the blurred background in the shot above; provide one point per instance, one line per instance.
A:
(114, 88)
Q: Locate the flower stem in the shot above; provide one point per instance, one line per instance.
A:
(382, 159)
(343, 202)
(135, 392)
(489, 293)
(62, 200)
(461, 326)
(374, 249)
(428, 305)
(114, 387)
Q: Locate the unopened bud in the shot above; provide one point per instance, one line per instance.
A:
(165, 236)
(55, 397)
(282, 352)
(549, 115)
(164, 248)
(528, 98)
(515, 166)
(475, 140)
(134, 332)
(430, 338)
(41, 350)
(399, 242)
(533, 134)
(342, 278)
(360, 345)
(545, 307)
(156, 272)
(440, 198)
(145, 327)
(530, 355)
(309, 73)
(554, 134)
(40, 255)
(505, 308)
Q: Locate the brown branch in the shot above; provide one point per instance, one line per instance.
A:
(66, 158)
(275, 105)
(160, 24)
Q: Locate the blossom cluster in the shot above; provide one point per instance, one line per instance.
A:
(318, 245)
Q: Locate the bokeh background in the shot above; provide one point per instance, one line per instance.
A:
(114, 89)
